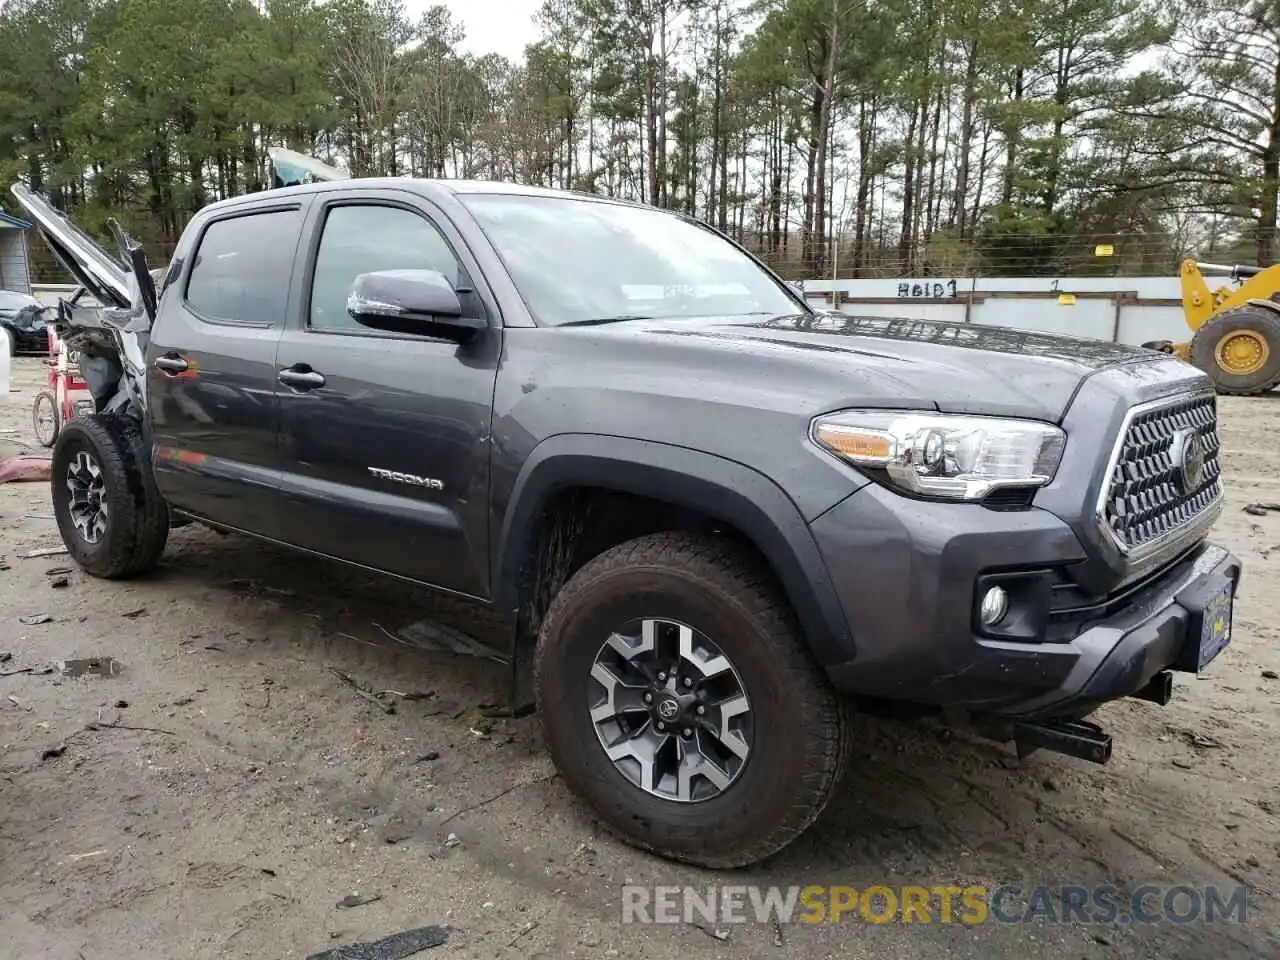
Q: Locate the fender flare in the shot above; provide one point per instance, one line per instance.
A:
(1270, 305)
(724, 489)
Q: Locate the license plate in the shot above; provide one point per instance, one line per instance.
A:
(1215, 629)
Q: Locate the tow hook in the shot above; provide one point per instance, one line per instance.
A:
(1159, 690)
(1075, 738)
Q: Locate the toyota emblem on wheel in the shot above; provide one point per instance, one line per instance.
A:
(668, 709)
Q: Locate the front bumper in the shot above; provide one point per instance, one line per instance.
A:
(906, 570)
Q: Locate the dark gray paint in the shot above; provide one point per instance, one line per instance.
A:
(711, 414)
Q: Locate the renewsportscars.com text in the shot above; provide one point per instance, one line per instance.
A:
(972, 905)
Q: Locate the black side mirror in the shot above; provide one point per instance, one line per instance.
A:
(411, 301)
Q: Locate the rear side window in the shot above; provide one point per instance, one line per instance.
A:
(242, 267)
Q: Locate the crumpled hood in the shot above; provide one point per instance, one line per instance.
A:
(849, 361)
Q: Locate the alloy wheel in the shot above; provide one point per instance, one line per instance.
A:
(88, 507)
(670, 710)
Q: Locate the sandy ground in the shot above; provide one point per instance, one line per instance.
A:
(234, 788)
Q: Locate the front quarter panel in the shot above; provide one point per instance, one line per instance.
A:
(736, 406)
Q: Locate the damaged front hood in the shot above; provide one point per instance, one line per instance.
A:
(102, 275)
(110, 335)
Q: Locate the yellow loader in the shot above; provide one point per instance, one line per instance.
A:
(1236, 338)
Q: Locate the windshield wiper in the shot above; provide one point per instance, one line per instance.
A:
(597, 321)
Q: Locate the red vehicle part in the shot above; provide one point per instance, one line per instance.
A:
(66, 396)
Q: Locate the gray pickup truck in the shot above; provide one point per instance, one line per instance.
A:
(720, 517)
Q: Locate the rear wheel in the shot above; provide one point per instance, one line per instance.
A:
(110, 514)
(1240, 350)
(45, 418)
(678, 699)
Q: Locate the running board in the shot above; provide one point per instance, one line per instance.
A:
(1075, 738)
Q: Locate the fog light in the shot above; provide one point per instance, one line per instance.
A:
(995, 604)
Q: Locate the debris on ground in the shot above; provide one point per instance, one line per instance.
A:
(257, 586)
(712, 932)
(362, 691)
(42, 552)
(25, 468)
(35, 619)
(395, 947)
(134, 614)
(1260, 509)
(527, 929)
(77, 857)
(409, 695)
(34, 671)
(90, 667)
(1201, 740)
(1270, 675)
(355, 900)
(57, 751)
(433, 635)
(18, 703)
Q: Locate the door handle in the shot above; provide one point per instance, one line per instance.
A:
(171, 363)
(301, 377)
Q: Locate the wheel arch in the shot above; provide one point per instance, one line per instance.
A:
(1270, 305)
(697, 483)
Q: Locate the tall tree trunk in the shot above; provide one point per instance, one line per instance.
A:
(908, 193)
(828, 90)
(965, 146)
(1013, 137)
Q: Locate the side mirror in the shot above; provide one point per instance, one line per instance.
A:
(411, 301)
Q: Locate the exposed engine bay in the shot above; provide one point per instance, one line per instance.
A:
(108, 320)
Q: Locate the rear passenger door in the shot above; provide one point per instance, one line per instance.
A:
(212, 370)
(386, 454)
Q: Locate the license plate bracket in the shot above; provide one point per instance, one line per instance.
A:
(1210, 631)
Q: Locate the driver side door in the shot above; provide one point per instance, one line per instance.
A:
(384, 437)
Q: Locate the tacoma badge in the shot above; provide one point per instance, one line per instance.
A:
(429, 482)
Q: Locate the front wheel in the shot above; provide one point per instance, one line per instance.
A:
(112, 518)
(678, 699)
(45, 418)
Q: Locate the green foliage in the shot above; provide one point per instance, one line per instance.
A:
(897, 137)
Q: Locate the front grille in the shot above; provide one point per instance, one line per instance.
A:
(1149, 497)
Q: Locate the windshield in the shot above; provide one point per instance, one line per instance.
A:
(579, 261)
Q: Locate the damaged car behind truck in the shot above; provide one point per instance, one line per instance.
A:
(721, 519)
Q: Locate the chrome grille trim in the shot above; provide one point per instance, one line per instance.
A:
(1140, 508)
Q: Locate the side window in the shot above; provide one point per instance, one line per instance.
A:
(361, 238)
(242, 267)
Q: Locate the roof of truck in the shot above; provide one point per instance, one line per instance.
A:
(421, 185)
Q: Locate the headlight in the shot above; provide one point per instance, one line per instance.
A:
(942, 455)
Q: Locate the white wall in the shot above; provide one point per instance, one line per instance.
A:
(1130, 310)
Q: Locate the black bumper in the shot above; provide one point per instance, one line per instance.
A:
(906, 573)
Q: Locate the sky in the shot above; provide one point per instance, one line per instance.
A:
(493, 26)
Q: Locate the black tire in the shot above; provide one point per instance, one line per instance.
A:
(46, 436)
(1262, 322)
(789, 775)
(137, 527)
